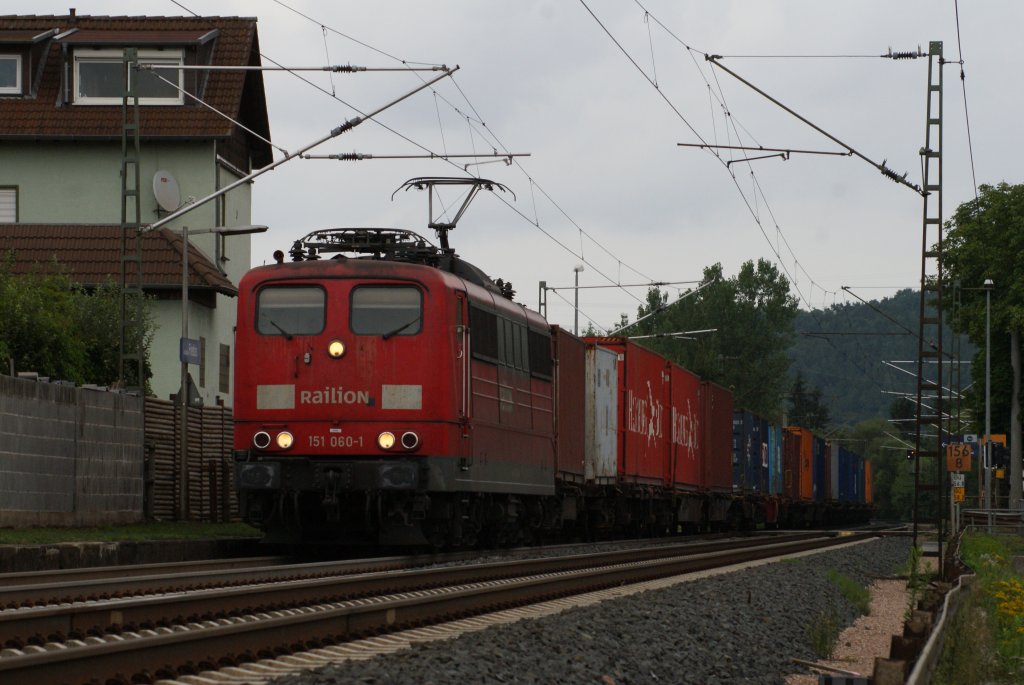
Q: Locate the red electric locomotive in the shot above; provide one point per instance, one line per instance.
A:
(394, 394)
(365, 410)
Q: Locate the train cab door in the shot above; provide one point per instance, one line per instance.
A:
(463, 379)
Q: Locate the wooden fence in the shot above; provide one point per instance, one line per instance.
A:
(211, 492)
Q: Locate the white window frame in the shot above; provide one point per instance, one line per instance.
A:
(16, 88)
(10, 193)
(116, 55)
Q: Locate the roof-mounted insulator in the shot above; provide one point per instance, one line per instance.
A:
(903, 55)
(505, 288)
(301, 253)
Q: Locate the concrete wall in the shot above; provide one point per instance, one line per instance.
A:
(69, 456)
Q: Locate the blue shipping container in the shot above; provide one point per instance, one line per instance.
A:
(775, 460)
(847, 475)
(761, 465)
(749, 467)
(819, 470)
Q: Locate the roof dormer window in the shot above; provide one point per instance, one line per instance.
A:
(99, 77)
(10, 74)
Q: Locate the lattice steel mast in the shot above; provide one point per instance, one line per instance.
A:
(131, 353)
(929, 467)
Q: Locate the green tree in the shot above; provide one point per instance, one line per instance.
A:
(806, 406)
(984, 240)
(51, 325)
(749, 319)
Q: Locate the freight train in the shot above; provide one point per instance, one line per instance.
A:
(393, 394)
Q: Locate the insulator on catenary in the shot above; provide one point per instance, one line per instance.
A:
(904, 55)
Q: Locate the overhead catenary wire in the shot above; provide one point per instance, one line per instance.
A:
(479, 120)
(761, 148)
(890, 318)
(358, 157)
(743, 195)
(334, 133)
(333, 68)
(881, 166)
(207, 105)
(963, 85)
(652, 284)
(732, 121)
(823, 56)
(574, 308)
(363, 116)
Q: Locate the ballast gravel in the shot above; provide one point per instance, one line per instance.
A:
(744, 626)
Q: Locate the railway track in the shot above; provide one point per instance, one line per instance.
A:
(18, 590)
(153, 637)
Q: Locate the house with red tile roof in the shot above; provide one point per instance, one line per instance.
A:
(61, 155)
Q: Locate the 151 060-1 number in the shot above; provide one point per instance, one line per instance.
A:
(335, 441)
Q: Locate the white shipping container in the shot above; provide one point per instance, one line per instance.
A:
(602, 414)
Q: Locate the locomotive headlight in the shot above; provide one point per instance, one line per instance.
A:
(410, 440)
(285, 440)
(261, 440)
(336, 349)
(386, 440)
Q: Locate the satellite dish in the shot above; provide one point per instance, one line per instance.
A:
(165, 189)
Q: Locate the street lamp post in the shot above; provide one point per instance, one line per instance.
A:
(987, 461)
(576, 306)
(185, 350)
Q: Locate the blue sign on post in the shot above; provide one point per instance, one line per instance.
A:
(189, 351)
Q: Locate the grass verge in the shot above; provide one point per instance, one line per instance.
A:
(130, 533)
(985, 642)
(856, 594)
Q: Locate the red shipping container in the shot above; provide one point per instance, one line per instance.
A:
(570, 399)
(868, 497)
(717, 430)
(685, 428)
(644, 440)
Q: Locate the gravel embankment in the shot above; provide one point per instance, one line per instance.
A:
(737, 627)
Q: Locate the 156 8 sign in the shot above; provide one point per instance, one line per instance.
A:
(958, 456)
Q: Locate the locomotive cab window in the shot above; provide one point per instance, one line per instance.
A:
(387, 310)
(290, 310)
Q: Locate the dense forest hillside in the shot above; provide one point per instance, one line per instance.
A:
(842, 350)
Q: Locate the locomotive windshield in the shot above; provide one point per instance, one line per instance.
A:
(386, 310)
(290, 310)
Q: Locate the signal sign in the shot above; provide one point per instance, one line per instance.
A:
(958, 495)
(958, 456)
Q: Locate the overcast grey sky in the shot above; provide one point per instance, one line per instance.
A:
(606, 182)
